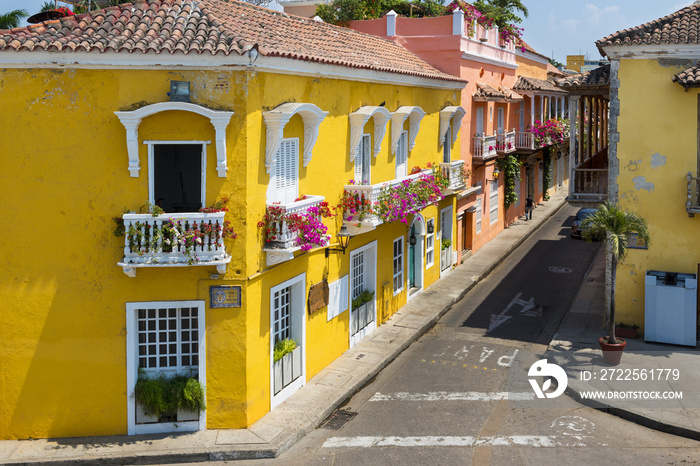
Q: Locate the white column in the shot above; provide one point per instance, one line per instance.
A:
(573, 108)
(532, 110)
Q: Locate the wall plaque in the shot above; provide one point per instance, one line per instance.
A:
(635, 242)
(318, 296)
(224, 296)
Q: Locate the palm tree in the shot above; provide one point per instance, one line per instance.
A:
(511, 5)
(616, 226)
(11, 19)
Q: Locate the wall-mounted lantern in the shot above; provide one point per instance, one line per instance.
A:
(344, 240)
(179, 91)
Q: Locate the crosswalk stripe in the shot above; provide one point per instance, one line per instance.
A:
(452, 396)
(547, 441)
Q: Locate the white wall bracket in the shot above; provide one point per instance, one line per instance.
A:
(450, 116)
(276, 120)
(359, 119)
(132, 119)
(415, 115)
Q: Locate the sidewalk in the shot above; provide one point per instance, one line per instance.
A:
(305, 410)
(575, 348)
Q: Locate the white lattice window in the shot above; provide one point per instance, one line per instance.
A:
(286, 176)
(282, 313)
(358, 274)
(168, 339)
(430, 246)
(493, 202)
(402, 156)
(398, 265)
(362, 161)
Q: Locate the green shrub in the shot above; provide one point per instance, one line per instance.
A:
(283, 347)
(161, 396)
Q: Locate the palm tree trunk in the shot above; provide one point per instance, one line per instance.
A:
(611, 323)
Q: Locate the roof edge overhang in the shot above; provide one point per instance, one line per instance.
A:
(651, 52)
(180, 61)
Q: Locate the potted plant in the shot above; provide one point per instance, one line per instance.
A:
(286, 365)
(624, 330)
(362, 310)
(615, 225)
(168, 399)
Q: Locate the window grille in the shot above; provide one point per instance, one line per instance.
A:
(168, 339)
(398, 265)
(282, 305)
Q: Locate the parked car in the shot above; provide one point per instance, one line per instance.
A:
(580, 216)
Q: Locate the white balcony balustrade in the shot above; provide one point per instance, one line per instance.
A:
(455, 175)
(505, 143)
(282, 240)
(525, 140)
(485, 147)
(174, 240)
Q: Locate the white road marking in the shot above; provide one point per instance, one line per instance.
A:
(528, 309)
(452, 396)
(547, 441)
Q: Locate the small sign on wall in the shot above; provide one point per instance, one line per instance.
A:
(224, 296)
(635, 242)
(318, 296)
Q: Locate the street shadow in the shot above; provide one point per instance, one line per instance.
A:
(530, 302)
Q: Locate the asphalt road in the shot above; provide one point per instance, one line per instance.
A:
(441, 401)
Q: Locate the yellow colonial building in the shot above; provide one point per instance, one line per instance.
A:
(188, 184)
(654, 160)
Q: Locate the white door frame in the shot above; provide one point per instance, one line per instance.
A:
(449, 229)
(419, 260)
(370, 284)
(132, 367)
(298, 285)
(151, 167)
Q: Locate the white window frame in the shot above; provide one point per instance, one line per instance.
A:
(370, 282)
(479, 121)
(478, 214)
(493, 202)
(501, 121)
(430, 245)
(400, 258)
(273, 194)
(447, 146)
(298, 317)
(363, 158)
(402, 156)
(132, 367)
(151, 167)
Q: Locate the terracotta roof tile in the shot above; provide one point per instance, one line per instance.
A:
(527, 47)
(597, 78)
(219, 28)
(681, 27)
(525, 83)
(689, 77)
(484, 91)
(554, 71)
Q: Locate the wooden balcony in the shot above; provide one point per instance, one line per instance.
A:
(454, 173)
(284, 245)
(173, 240)
(590, 185)
(485, 148)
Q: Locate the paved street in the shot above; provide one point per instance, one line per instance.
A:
(441, 401)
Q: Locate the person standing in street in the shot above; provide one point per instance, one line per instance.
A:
(529, 203)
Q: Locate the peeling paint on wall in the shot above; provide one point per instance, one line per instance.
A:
(675, 63)
(657, 160)
(633, 166)
(641, 182)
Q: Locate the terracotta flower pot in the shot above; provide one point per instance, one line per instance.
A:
(612, 353)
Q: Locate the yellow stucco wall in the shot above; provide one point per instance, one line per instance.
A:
(652, 174)
(63, 327)
(531, 68)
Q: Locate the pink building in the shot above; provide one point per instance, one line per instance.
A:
(507, 91)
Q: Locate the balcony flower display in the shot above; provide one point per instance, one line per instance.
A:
(354, 204)
(549, 132)
(308, 226)
(411, 196)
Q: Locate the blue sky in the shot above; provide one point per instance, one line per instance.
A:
(554, 28)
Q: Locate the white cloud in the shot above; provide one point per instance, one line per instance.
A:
(570, 24)
(595, 14)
